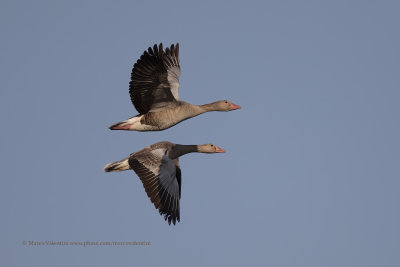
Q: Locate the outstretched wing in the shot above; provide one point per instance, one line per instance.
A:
(161, 178)
(155, 79)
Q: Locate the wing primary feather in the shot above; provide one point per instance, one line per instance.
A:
(172, 50)
(150, 51)
(155, 50)
(160, 48)
(177, 51)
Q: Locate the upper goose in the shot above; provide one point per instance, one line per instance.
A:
(158, 168)
(154, 93)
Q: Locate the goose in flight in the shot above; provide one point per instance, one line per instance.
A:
(158, 168)
(154, 93)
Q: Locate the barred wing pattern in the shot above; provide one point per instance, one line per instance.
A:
(161, 178)
(155, 79)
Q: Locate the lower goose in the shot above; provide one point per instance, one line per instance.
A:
(158, 168)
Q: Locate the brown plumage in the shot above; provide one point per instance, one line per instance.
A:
(158, 168)
(154, 93)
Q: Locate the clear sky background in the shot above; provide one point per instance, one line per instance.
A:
(311, 176)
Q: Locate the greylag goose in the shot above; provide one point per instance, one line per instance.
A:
(154, 93)
(158, 168)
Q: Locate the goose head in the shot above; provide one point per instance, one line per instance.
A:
(210, 148)
(225, 105)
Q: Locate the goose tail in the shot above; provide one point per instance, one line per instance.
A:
(117, 166)
(129, 124)
(120, 126)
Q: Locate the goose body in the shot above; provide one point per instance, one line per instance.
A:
(158, 168)
(154, 93)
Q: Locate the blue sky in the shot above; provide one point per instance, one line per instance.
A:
(311, 173)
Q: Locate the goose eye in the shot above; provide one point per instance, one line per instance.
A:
(226, 102)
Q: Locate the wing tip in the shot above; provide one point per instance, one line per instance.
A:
(171, 218)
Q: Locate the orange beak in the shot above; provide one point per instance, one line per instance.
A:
(219, 150)
(234, 106)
